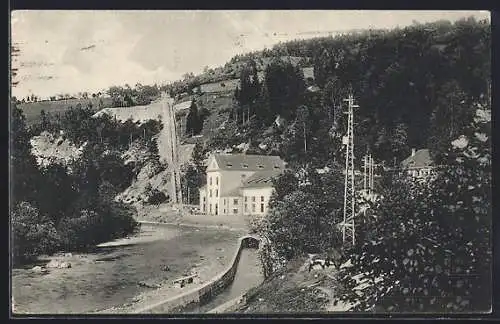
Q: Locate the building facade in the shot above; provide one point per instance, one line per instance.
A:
(419, 164)
(239, 184)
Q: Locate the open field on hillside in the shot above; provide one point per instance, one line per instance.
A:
(32, 110)
(110, 276)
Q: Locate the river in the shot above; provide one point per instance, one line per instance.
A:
(109, 276)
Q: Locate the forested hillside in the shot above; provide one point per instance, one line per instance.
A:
(414, 86)
(421, 246)
(69, 204)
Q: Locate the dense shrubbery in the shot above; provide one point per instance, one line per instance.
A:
(137, 96)
(154, 196)
(78, 126)
(32, 233)
(431, 241)
(66, 206)
(303, 216)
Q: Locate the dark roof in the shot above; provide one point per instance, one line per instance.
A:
(244, 162)
(261, 179)
(422, 158)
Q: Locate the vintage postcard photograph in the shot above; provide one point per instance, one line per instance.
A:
(250, 162)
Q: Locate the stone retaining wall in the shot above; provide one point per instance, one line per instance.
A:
(203, 294)
(229, 306)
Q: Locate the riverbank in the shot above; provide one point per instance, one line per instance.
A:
(164, 214)
(117, 277)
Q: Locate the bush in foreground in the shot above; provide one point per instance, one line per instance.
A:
(32, 234)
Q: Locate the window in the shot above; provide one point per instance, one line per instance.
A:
(246, 208)
(261, 198)
(204, 207)
(210, 208)
(210, 180)
(216, 209)
(235, 202)
(217, 181)
(253, 208)
(229, 165)
(245, 166)
(260, 166)
(216, 192)
(253, 198)
(210, 193)
(235, 211)
(261, 208)
(246, 198)
(204, 199)
(224, 211)
(224, 202)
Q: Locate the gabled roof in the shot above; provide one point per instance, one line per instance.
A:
(261, 179)
(422, 158)
(244, 162)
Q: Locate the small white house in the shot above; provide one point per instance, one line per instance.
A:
(419, 164)
(239, 184)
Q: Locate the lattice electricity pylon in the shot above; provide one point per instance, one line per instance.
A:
(347, 225)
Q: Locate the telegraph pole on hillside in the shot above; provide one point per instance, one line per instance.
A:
(347, 224)
(372, 165)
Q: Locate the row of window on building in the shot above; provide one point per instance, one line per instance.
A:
(235, 203)
(235, 200)
(420, 173)
(235, 210)
(243, 176)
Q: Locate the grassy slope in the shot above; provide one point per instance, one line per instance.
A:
(289, 290)
(294, 289)
(32, 110)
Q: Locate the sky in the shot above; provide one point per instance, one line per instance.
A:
(76, 51)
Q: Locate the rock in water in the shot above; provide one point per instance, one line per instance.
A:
(53, 264)
(64, 265)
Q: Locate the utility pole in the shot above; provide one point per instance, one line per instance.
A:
(347, 224)
(372, 168)
(305, 138)
(365, 175)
